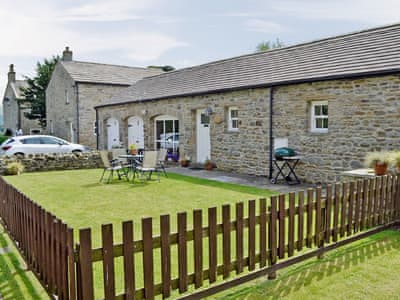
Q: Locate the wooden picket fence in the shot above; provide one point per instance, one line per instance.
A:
(253, 240)
(44, 241)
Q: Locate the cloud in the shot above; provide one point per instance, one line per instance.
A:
(106, 11)
(366, 11)
(259, 25)
(44, 33)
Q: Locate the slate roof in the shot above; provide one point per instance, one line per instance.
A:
(106, 74)
(17, 85)
(373, 51)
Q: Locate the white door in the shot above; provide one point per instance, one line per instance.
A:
(112, 133)
(136, 132)
(203, 136)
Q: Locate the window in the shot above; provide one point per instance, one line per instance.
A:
(319, 116)
(66, 97)
(167, 133)
(34, 141)
(51, 141)
(51, 127)
(233, 119)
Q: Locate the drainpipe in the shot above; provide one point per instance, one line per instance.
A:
(97, 129)
(271, 138)
(77, 113)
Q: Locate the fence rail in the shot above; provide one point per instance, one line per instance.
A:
(206, 256)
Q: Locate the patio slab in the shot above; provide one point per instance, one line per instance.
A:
(249, 180)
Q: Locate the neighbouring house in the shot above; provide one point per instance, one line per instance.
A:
(332, 100)
(76, 87)
(14, 107)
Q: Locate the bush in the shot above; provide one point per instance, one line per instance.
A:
(14, 168)
(3, 138)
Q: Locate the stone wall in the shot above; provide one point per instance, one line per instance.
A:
(10, 110)
(245, 151)
(60, 114)
(91, 95)
(79, 112)
(52, 162)
(364, 116)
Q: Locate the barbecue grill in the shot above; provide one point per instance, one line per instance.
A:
(285, 162)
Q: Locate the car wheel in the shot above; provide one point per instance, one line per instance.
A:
(76, 152)
(19, 155)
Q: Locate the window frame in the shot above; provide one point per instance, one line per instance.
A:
(160, 143)
(314, 118)
(66, 97)
(230, 119)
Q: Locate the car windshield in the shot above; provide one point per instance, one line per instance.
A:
(9, 141)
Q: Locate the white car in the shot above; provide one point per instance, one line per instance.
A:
(33, 144)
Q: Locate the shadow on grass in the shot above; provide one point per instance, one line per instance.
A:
(223, 185)
(14, 280)
(306, 273)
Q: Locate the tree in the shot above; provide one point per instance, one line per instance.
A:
(268, 45)
(165, 68)
(34, 95)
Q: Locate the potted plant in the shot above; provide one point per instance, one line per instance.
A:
(396, 160)
(185, 161)
(379, 161)
(209, 165)
(133, 149)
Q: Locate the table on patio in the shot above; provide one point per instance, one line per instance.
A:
(133, 161)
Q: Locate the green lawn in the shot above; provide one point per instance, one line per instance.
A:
(16, 282)
(367, 269)
(81, 201)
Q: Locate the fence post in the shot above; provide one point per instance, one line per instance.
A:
(272, 238)
(319, 222)
(85, 265)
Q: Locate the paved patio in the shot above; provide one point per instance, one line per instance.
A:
(256, 181)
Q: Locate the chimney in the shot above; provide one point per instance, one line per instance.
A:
(67, 54)
(11, 74)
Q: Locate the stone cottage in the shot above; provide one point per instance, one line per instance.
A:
(76, 87)
(332, 100)
(13, 110)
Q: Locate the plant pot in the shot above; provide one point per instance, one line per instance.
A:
(133, 151)
(380, 169)
(185, 163)
(208, 167)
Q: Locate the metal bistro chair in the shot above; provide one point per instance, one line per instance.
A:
(149, 165)
(112, 166)
(161, 155)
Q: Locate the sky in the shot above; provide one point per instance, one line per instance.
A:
(171, 32)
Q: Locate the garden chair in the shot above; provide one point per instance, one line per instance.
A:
(112, 166)
(149, 165)
(161, 155)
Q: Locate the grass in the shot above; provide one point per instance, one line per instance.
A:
(366, 269)
(16, 282)
(81, 201)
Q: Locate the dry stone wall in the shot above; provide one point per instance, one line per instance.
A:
(52, 162)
